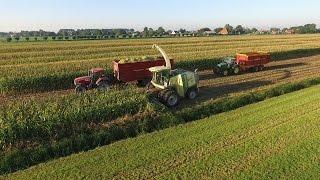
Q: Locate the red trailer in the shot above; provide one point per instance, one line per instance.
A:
(244, 61)
(136, 71)
(122, 72)
(252, 60)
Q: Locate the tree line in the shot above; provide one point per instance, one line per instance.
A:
(81, 34)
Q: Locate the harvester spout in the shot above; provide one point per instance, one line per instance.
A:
(165, 56)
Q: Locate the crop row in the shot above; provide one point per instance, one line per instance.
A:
(55, 76)
(52, 70)
(19, 57)
(57, 118)
(45, 46)
(32, 132)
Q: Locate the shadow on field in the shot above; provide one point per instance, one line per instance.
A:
(292, 54)
(211, 92)
(208, 75)
(208, 92)
(283, 66)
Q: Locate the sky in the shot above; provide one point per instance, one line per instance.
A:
(16, 15)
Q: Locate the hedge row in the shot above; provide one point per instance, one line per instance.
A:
(65, 81)
(155, 118)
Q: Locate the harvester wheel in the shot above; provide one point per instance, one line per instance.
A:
(257, 69)
(236, 70)
(103, 86)
(192, 93)
(80, 89)
(161, 95)
(171, 98)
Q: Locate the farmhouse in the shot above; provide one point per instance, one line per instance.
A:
(209, 33)
(290, 31)
(224, 31)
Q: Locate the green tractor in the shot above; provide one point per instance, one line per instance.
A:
(227, 66)
(172, 85)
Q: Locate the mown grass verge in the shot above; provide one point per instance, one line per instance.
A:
(274, 139)
(35, 138)
(65, 80)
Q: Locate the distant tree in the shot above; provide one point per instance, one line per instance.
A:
(182, 31)
(118, 32)
(60, 37)
(229, 28)
(145, 32)
(275, 30)
(247, 31)
(151, 32)
(45, 38)
(17, 38)
(66, 37)
(161, 31)
(27, 38)
(36, 38)
(239, 30)
(74, 37)
(9, 39)
(202, 30)
(96, 32)
(254, 30)
(310, 28)
(53, 37)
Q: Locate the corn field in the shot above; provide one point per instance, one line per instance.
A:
(40, 66)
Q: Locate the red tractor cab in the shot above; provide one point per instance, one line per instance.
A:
(96, 79)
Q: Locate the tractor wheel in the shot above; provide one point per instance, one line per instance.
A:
(80, 89)
(261, 68)
(192, 93)
(256, 69)
(236, 70)
(225, 73)
(103, 86)
(171, 98)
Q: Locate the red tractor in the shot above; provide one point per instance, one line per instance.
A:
(96, 79)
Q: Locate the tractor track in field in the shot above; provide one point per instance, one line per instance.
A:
(214, 86)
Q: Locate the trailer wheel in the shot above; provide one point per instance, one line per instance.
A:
(236, 70)
(144, 82)
(171, 98)
(261, 68)
(149, 86)
(80, 89)
(225, 72)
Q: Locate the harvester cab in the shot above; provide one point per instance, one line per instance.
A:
(173, 84)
